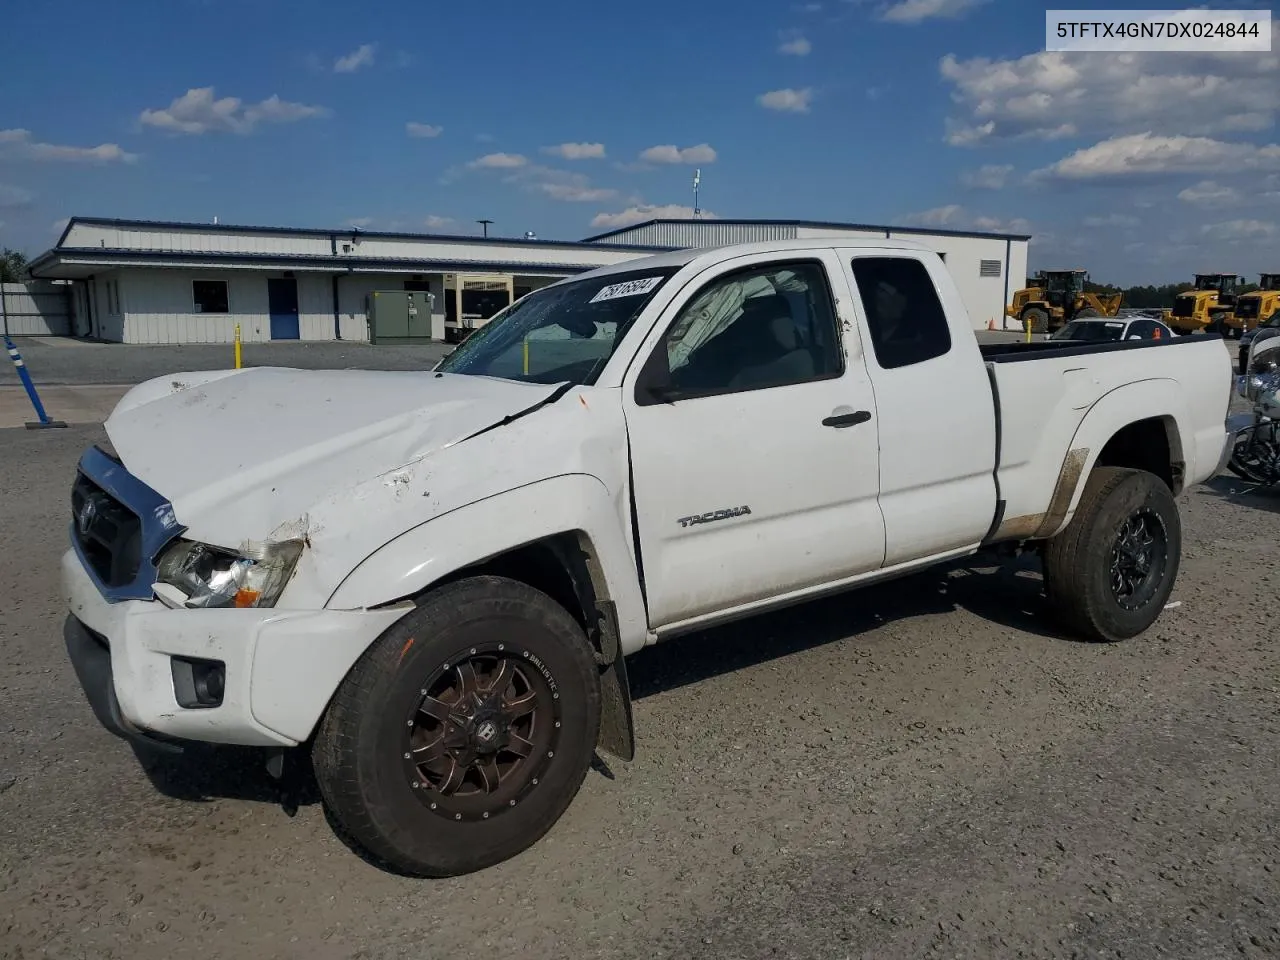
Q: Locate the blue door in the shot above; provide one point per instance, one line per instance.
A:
(282, 302)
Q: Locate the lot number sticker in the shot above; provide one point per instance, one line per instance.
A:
(632, 288)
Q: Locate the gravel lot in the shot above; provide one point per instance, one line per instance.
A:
(916, 770)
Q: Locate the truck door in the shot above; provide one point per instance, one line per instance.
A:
(934, 405)
(753, 440)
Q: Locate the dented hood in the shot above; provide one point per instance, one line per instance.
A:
(240, 453)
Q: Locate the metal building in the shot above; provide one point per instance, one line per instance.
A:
(139, 281)
(151, 282)
(987, 267)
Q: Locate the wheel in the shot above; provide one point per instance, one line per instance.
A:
(1254, 453)
(1038, 319)
(1110, 572)
(463, 734)
(1087, 313)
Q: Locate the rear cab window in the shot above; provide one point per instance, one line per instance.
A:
(904, 315)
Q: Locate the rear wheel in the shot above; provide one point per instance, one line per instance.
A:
(463, 734)
(1036, 319)
(1111, 571)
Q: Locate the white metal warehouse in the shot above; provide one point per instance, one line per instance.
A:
(158, 282)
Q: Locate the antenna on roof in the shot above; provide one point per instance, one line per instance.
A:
(697, 182)
(485, 224)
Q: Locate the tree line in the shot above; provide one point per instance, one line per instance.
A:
(1149, 296)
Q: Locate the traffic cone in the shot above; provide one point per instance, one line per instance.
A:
(991, 324)
(1157, 334)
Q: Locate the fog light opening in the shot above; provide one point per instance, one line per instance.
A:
(198, 684)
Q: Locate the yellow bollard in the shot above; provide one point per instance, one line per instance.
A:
(1027, 323)
(237, 346)
(526, 356)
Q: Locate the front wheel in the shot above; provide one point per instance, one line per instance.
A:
(1035, 319)
(464, 733)
(1111, 571)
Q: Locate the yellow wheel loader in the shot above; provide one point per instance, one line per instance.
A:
(1209, 306)
(1254, 309)
(1055, 298)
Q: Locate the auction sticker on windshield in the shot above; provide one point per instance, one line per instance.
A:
(632, 288)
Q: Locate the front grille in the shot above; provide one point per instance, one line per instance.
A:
(1184, 306)
(1247, 308)
(107, 533)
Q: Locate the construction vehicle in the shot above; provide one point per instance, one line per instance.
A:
(1207, 306)
(1254, 309)
(1056, 297)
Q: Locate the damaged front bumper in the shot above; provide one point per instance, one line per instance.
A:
(279, 667)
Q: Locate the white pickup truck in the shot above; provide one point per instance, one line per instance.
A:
(431, 580)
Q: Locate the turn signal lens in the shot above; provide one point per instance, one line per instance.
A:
(247, 598)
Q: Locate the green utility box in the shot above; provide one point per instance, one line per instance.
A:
(399, 316)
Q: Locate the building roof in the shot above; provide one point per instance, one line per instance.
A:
(186, 226)
(818, 224)
(89, 243)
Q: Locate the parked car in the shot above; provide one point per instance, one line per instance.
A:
(431, 580)
(1101, 329)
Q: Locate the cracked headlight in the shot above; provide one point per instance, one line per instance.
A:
(211, 576)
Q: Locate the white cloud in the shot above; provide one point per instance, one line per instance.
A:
(643, 212)
(952, 216)
(434, 222)
(794, 44)
(1050, 95)
(422, 131)
(1235, 231)
(1120, 220)
(197, 112)
(1209, 193)
(11, 197)
(361, 56)
(936, 217)
(987, 177)
(917, 11)
(576, 193)
(1144, 154)
(576, 151)
(18, 145)
(787, 100)
(499, 161)
(360, 222)
(669, 153)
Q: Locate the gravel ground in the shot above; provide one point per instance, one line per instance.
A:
(57, 360)
(924, 769)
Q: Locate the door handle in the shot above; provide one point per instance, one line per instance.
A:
(847, 419)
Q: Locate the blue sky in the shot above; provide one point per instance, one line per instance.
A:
(571, 117)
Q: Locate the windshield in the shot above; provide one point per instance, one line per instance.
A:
(1089, 331)
(563, 333)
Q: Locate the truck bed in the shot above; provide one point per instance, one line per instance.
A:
(1044, 391)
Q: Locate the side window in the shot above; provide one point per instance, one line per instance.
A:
(765, 327)
(905, 317)
(1143, 328)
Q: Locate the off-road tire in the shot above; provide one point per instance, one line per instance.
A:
(1078, 562)
(1038, 319)
(361, 752)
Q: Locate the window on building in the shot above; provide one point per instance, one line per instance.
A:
(754, 329)
(904, 315)
(988, 268)
(210, 296)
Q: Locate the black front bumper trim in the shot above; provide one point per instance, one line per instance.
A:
(91, 659)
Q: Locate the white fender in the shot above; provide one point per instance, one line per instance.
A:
(486, 528)
(1161, 399)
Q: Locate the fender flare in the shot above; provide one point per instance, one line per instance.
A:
(1156, 399)
(478, 531)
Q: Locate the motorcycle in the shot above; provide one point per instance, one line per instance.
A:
(1255, 449)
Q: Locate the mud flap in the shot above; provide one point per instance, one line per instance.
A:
(617, 729)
